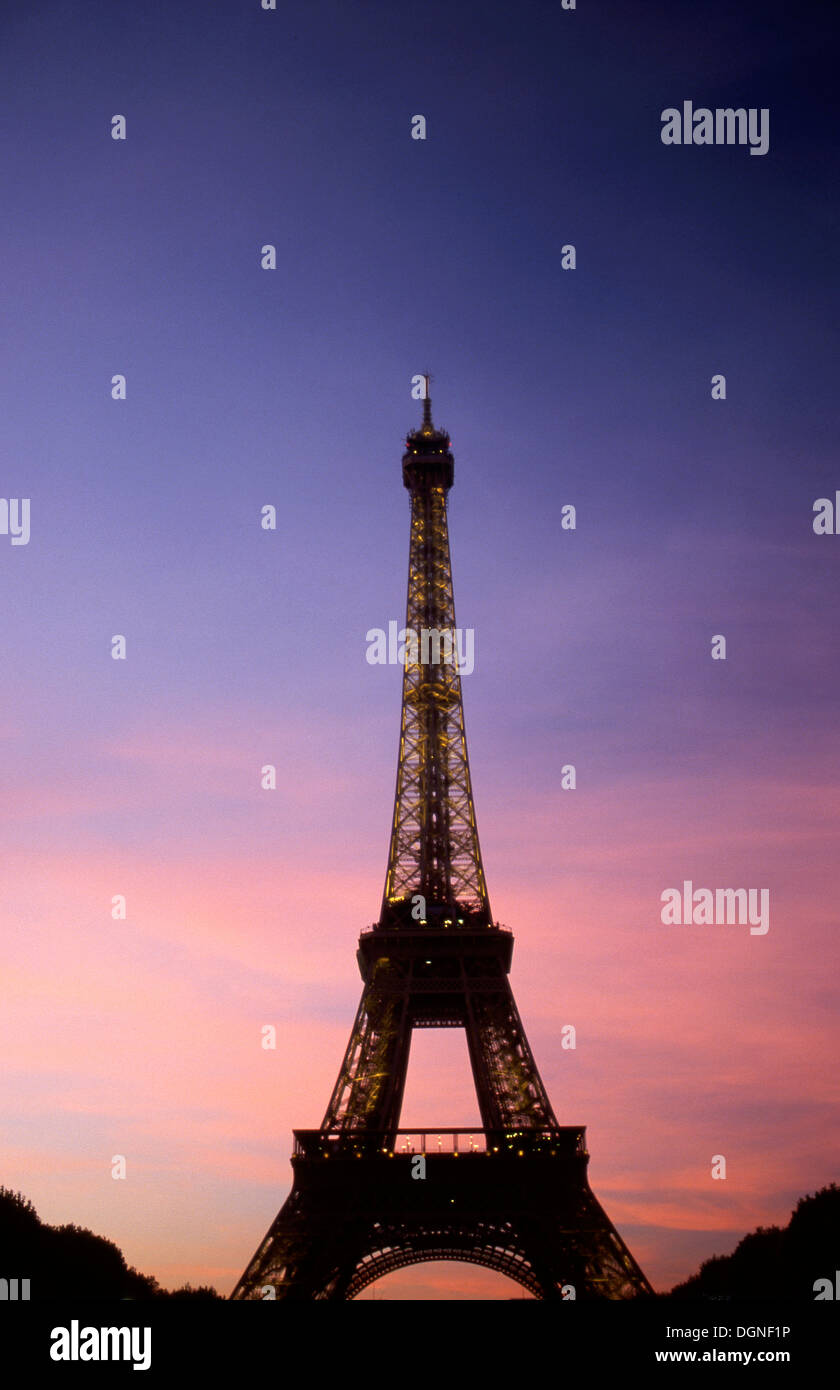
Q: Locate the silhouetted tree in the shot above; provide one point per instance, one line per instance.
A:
(199, 1294)
(70, 1260)
(773, 1261)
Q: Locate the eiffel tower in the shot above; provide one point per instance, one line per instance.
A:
(368, 1197)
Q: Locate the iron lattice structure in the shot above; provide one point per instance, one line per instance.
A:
(434, 849)
(515, 1197)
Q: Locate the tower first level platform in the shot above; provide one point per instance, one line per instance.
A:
(365, 1205)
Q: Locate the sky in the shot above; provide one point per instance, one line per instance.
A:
(245, 387)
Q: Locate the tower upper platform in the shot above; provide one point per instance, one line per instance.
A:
(427, 461)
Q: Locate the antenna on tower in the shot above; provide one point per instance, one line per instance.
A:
(427, 405)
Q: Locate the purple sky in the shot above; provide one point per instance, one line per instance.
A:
(292, 387)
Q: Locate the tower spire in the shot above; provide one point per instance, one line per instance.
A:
(434, 857)
(428, 427)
